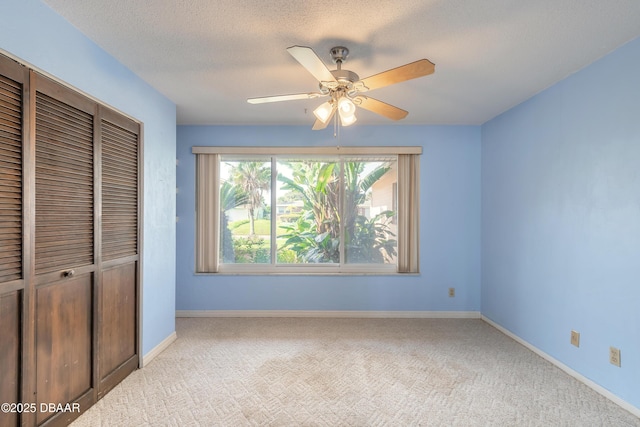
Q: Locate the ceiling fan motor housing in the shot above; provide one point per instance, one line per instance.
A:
(345, 76)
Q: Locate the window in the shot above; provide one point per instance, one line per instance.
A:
(319, 210)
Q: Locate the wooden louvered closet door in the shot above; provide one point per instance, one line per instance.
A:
(119, 159)
(64, 246)
(12, 78)
(70, 202)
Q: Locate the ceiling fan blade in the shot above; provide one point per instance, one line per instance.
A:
(279, 98)
(403, 73)
(318, 125)
(379, 107)
(309, 60)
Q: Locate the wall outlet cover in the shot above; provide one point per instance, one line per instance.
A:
(614, 356)
(575, 338)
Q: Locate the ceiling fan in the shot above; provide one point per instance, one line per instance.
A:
(344, 87)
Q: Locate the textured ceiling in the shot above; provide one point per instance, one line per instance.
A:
(209, 56)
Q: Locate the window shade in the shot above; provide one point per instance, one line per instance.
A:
(207, 213)
(408, 213)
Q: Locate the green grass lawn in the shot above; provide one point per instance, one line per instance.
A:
(241, 228)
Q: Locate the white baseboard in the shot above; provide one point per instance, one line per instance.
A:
(356, 314)
(597, 388)
(158, 349)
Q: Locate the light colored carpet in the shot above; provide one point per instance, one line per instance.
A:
(350, 372)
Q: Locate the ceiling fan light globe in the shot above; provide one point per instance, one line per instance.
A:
(323, 112)
(346, 107)
(347, 119)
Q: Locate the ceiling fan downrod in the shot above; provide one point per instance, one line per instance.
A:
(344, 77)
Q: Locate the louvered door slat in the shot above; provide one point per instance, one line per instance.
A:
(70, 142)
(119, 192)
(10, 146)
(10, 180)
(9, 186)
(64, 186)
(53, 157)
(77, 191)
(122, 179)
(65, 117)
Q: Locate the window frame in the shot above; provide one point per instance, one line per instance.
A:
(208, 225)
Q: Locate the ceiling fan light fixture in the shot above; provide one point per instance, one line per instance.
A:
(346, 106)
(347, 119)
(347, 111)
(324, 111)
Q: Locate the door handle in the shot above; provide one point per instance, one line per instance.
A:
(68, 273)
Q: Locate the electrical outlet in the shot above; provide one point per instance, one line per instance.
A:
(575, 338)
(452, 292)
(614, 356)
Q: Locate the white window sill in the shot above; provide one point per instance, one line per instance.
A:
(262, 270)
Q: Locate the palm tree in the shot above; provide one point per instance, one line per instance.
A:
(317, 183)
(253, 178)
(316, 235)
(356, 188)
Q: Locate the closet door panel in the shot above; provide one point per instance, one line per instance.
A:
(10, 350)
(12, 292)
(119, 161)
(63, 341)
(119, 190)
(65, 256)
(10, 180)
(64, 186)
(117, 324)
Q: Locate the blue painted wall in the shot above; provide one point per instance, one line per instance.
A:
(561, 220)
(32, 32)
(557, 203)
(449, 233)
